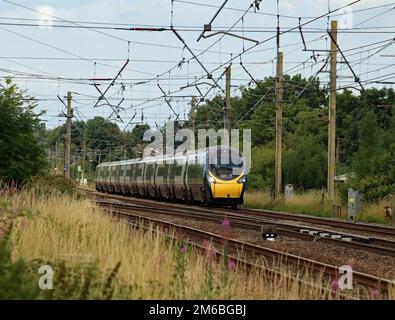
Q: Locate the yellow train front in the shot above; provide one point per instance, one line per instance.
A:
(214, 175)
(225, 176)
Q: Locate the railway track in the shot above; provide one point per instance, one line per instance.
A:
(128, 208)
(253, 222)
(354, 226)
(376, 230)
(242, 252)
(282, 229)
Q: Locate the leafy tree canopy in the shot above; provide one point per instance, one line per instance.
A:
(21, 153)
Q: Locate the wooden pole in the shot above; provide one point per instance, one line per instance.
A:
(67, 142)
(227, 100)
(279, 124)
(332, 115)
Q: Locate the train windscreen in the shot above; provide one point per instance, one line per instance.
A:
(226, 163)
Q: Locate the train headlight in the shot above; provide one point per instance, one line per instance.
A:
(243, 179)
(211, 180)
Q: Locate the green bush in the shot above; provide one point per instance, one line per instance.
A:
(48, 184)
(261, 175)
(16, 279)
(372, 188)
(375, 188)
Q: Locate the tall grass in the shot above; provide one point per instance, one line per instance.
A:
(312, 202)
(96, 257)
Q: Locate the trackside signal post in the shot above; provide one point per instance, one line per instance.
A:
(332, 115)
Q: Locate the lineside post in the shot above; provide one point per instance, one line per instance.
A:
(67, 138)
(332, 114)
(279, 124)
(227, 100)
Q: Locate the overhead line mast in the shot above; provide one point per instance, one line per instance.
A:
(332, 114)
(227, 124)
(279, 112)
(67, 138)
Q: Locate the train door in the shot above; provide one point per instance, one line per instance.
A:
(178, 178)
(128, 178)
(122, 171)
(149, 174)
(196, 176)
(117, 185)
(161, 175)
(139, 178)
(133, 184)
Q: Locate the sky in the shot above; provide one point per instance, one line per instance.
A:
(52, 47)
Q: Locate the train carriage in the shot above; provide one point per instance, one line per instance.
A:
(214, 175)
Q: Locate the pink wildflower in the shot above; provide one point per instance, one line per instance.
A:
(374, 293)
(210, 253)
(183, 250)
(231, 265)
(225, 224)
(334, 287)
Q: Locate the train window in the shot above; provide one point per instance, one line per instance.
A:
(178, 170)
(171, 172)
(192, 172)
(129, 171)
(133, 171)
(149, 172)
(116, 172)
(195, 171)
(120, 172)
(162, 170)
(139, 170)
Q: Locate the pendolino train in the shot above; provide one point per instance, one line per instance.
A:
(214, 175)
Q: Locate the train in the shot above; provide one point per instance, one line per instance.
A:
(211, 176)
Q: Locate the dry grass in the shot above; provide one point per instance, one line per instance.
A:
(308, 203)
(311, 202)
(375, 212)
(75, 231)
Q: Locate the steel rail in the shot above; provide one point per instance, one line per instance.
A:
(268, 272)
(282, 229)
(377, 245)
(251, 249)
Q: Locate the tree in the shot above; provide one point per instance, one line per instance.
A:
(101, 133)
(136, 135)
(305, 165)
(21, 154)
(365, 131)
(261, 175)
(374, 161)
